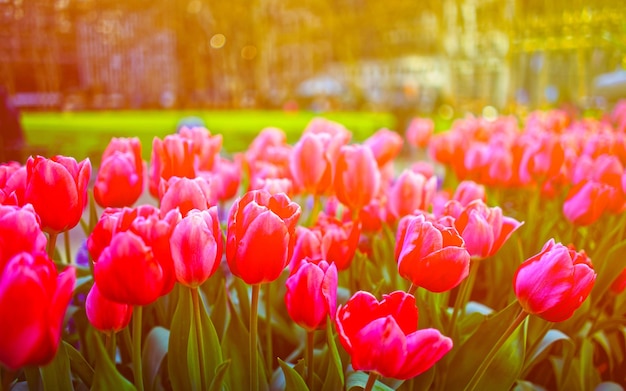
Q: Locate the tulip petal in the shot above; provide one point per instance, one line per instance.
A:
(424, 349)
(380, 346)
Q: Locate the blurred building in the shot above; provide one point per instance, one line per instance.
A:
(91, 54)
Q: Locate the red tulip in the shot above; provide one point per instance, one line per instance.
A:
(144, 221)
(20, 231)
(308, 245)
(419, 132)
(205, 147)
(382, 337)
(312, 294)
(339, 240)
(104, 314)
(484, 229)
(128, 272)
(196, 246)
(586, 202)
(261, 235)
(272, 185)
(468, 191)
(187, 194)
(555, 282)
(228, 176)
(619, 284)
(120, 177)
(385, 144)
(172, 156)
(33, 301)
(12, 183)
(430, 255)
(410, 192)
(311, 164)
(57, 189)
(542, 158)
(357, 177)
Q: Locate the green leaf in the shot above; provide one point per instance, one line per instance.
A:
(293, 380)
(552, 336)
(523, 385)
(154, 351)
(79, 365)
(106, 377)
(334, 375)
(180, 333)
(611, 266)
(608, 386)
(589, 376)
(358, 380)
(212, 349)
(508, 362)
(220, 374)
(57, 374)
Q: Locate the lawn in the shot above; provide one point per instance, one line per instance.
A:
(86, 134)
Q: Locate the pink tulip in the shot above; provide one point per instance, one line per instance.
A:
(106, 315)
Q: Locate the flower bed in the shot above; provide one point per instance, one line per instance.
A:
(325, 264)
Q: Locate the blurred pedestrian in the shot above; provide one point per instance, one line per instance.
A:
(11, 132)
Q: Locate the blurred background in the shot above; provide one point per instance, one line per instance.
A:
(432, 58)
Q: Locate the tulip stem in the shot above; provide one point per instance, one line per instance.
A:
(111, 344)
(463, 296)
(52, 241)
(371, 380)
(309, 359)
(484, 365)
(269, 354)
(68, 249)
(412, 289)
(198, 323)
(254, 309)
(315, 210)
(6, 376)
(137, 368)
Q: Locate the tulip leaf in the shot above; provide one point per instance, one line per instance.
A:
(608, 386)
(293, 380)
(180, 334)
(154, 351)
(212, 350)
(79, 365)
(523, 385)
(551, 337)
(220, 374)
(334, 375)
(106, 377)
(235, 348)
(508, 362)
(57, 374)
(609, 269)
(358, 380)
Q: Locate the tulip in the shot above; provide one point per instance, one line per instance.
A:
(339, 135)
(228, 176)
(205, 147)
(484, 229)
(555, 282)
(196, 246)
(57, 189)
(172, 156)
(13, 183)
(339, 240)
(106, 315)
(120, 177)
(619, 284)
(586, 202)
(312, 294)
(186, 194)
(357, 177)
(385, 144)
(542, 158)
(419, 132)
(382, 337)
(468, 191)
(308, 245)
(261, 235)
(411, 192)
(33, 301)
(430, 255)
(127, 271)
(20, 231)
(310, 163)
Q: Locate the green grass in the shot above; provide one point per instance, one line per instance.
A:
(86, 134)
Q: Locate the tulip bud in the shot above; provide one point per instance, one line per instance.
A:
(33, 301)
(555, 282)
(57, 189)
(104, 314)
(312, 294)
